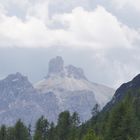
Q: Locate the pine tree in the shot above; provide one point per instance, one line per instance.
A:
(52, 132)
(42, 127)
(10, 133)
(95, 110)
(63, 126)
(3, 133)
(30, 131)
(75, 121)
(21, 131)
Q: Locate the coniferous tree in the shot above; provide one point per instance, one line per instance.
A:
(10, 133)
(63, 126)
(52, 132)
(42, 127)
(30, 131)
(95, 110)
(3, 133)
(21, 131)
(75, 121)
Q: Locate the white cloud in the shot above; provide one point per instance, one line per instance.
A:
(96, 29)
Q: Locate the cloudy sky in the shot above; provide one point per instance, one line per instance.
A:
(101, 36)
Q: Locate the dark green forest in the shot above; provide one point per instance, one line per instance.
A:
(121, 122)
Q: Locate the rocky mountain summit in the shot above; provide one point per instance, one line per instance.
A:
(64, 88)
(57, 68)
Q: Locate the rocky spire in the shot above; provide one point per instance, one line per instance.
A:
(56, 66)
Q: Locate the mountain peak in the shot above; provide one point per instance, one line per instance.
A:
(56, 66)
(75, 72)
(15, 77)
(16, 80)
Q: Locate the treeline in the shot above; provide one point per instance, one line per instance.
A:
(121, 122)
(68, 128)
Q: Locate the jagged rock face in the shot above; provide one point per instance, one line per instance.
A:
(81, 102)
(19, 99)
(15, 84)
